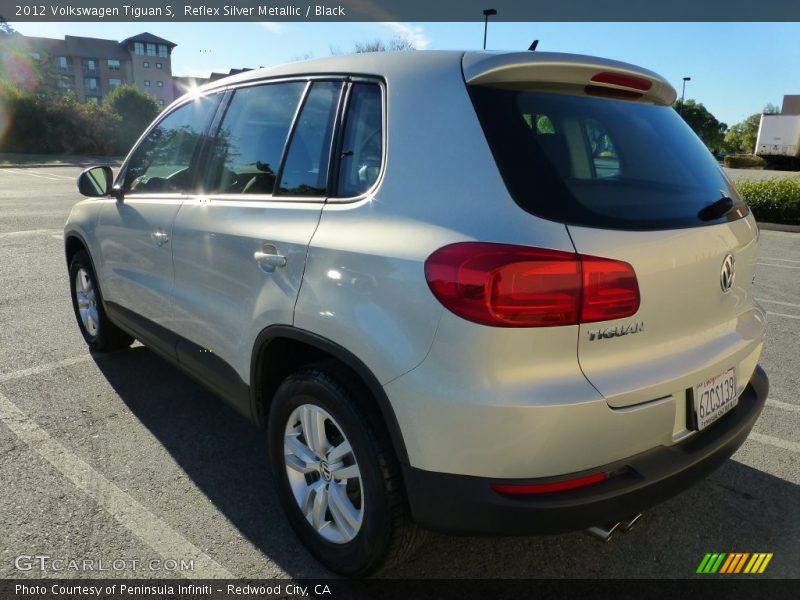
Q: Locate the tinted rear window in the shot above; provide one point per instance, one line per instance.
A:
(601, 162)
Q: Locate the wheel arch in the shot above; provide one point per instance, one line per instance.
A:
(74, 243)
(281, 349)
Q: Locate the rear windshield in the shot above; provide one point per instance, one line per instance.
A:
(602, 162)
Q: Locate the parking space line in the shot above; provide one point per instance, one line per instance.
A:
(779, 266)
(777, 314)
(44, 368)
(792, 304)
(783, 405)
(145, 525)
(37, 176)
(773, 441)
(28, 232)
(780, 259)
(57, 176)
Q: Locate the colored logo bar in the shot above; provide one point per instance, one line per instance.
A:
(734, 563)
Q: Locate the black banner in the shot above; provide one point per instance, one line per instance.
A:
(706, 587)
(398, 10)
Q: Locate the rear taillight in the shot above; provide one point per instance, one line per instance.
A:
(518, 286)
(610, 289)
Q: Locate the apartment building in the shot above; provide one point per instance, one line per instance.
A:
(92, 67)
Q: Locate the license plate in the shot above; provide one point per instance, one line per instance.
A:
(714, 397)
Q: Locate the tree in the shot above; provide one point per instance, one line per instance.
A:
(5, 28)
(396, 44)
(136, 110)
(741, 138)
(703, 123)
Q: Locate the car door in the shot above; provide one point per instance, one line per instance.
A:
(135, 231)
(240, 247)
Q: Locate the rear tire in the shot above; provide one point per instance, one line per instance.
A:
(336, 475)
(100, 334)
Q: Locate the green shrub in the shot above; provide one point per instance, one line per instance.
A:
(773, 200)
(744, 161)
(61, 125)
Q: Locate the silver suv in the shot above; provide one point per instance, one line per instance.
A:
(469, 292)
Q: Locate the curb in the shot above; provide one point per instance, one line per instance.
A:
(778, 227)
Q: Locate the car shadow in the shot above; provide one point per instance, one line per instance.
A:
(223, 454)
(737, 509)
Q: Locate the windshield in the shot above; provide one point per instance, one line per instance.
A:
(601, 162)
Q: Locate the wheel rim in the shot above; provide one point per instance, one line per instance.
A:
(87, 302)
(323, 474)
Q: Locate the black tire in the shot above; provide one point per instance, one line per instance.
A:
(107, 337)
(387, 535)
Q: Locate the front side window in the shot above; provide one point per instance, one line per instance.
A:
(145, 64)
(91, 83)
(362, 145)
(112, 83)
(251, 139)
(162, 51)
(113, 65)
(305, 172)
(138, 48)
(146, 83)
(161, 163)
(62, 62)
(151, 49)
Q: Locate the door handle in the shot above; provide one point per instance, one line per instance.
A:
(269, 258)
(159, 237)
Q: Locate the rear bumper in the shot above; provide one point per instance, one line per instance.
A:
(467, 505)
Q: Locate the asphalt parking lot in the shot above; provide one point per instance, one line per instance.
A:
(122, 458)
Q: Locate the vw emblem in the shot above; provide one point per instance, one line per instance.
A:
(325, 470)
(728, 273)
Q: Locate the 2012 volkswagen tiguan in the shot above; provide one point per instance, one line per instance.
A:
(470, 292)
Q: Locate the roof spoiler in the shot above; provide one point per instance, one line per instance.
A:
(567, 73)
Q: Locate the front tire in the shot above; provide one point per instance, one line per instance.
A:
(337, 478)
(100, 334)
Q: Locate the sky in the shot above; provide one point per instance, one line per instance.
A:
(735, 68)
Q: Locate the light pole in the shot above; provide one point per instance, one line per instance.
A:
(683, 92)
(489, 12)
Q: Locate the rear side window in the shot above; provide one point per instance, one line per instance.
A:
(362, 143)
(161, 163)
(601, 162)
(306, 170)
(250, 142)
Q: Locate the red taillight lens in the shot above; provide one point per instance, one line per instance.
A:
(518, 286)
(506, 286)
(610, 290)
(628, 81)
(547, 488)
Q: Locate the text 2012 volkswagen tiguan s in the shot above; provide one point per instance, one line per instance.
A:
(470, 292)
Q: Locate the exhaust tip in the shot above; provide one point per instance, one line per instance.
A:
(628, 524)
(603, 532)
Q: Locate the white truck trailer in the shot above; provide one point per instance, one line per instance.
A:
(778, 140)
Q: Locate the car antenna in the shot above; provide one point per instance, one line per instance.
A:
(532, 47)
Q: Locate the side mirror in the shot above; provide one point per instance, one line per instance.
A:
(96, 182)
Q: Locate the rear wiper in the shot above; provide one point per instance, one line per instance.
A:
(717, 209)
